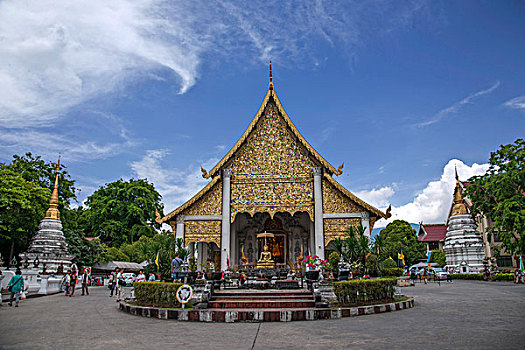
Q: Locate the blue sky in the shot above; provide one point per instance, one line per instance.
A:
(401, 91)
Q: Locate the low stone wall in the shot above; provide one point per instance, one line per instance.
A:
(261, 315)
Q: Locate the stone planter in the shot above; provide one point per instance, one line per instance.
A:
(312, 275)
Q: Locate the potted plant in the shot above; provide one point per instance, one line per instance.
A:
(333, 263)
(313, 266)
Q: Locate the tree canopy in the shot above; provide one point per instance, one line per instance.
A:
(22, 206)
(397, 237)
(499, 194)
(123, 211)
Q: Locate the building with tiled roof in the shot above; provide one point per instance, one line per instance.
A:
(433, 235)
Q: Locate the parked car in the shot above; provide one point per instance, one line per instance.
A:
(441, 274)
(129, 278)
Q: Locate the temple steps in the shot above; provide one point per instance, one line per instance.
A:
(277, 300)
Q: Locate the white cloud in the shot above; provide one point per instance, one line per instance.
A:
(57, 54)
(54, 55)
(175, 185)
(49, 145)
(377, 197)
(432, 204)
(458, 105)
(516, 103)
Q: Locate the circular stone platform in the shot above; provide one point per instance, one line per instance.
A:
(262, 315)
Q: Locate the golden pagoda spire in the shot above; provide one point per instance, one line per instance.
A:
(459, 207)
(271, 76)
(52, 212)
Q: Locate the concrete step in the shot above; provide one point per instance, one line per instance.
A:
(262, 297)
(259, 304)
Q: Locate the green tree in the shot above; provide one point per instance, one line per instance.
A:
(398, 237)
(35, 169)
(439, 257)
(500, 195)
(123, 211)
(22, 205)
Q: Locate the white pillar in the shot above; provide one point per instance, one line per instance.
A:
(200, 258)
(226, 213)
(318, 213)
(365, 222)
(180, 228)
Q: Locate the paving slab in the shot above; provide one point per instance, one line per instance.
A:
(462, 315)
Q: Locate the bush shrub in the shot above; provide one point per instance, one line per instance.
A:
(502, 277)
(158, 294)
(359, 292)
(395, 271)
(466, 276)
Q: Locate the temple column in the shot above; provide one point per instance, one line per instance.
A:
(200, 253)
(179, 232)
(226, 213)
(318, 213)
(365, 222)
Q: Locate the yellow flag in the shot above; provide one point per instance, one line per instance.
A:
(401, 257)
(157, 260)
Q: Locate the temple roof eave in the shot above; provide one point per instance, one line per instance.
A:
(191, 201)
(354, 198)
(242, 139)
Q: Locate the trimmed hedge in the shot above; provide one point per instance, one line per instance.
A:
(502, 277)
(478, 276)
(466, 276)
(158, 294)
(359, 292)
(395, 271)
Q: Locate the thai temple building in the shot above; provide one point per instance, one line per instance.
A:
(272, 181)
(48, 250)
(464, 245)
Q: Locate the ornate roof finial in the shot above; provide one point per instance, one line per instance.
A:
(459, 207)
(456, 170)
(271, 76)
(52, 212)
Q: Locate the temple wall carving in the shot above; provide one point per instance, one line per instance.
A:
(338, 228)
(272, 171)
(202, 231)
(209, 204)
(336, 202)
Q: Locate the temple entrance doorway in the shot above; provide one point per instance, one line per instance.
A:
(292, 237)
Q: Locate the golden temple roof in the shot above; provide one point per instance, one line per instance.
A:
(52, 212)
(270, 94)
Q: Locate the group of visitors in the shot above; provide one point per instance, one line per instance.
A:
(70, 281)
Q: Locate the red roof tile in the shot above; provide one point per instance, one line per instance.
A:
(434, 232)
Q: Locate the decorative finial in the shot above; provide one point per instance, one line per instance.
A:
(459, 207)
(204, 173)
(52, 212)
(271, 76)
(339, 170)
(456, 171)
(388, 213)
(158, 218)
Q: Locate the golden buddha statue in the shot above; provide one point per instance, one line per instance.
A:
(266, 261)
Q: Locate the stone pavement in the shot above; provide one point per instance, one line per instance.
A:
(462, 315)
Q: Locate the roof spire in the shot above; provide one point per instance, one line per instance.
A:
(459, 207)
(271, 76)
(456, 170)
(52, 212)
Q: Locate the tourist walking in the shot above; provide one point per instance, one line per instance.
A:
(66, 281)
(15, 286)
(120, 283)
(74, 281)
(113, 282)
(86, 279)
(175, 267)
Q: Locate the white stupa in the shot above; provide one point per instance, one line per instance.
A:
(463, 246)
(48, 248)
